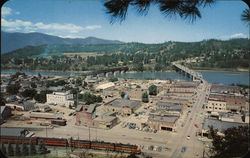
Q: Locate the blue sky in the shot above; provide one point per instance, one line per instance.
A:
(83, 18)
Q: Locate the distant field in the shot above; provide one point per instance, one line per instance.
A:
(82, 54)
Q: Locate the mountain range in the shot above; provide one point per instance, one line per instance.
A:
(13, 41)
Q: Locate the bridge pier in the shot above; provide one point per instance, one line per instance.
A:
(106, 74)
(115, 73)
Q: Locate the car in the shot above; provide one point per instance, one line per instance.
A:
(183, 149)
(70, 114)
(188, 137)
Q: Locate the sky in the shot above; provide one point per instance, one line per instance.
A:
(84, 18)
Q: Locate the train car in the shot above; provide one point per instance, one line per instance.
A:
(15, 139)
(127, 148)
(80, 143)
(59, 122)
(102, 145)
(54, 141)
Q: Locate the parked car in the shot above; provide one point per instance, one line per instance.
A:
(183, 149)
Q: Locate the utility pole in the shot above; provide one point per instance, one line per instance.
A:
(89, 133)
(96, 133)
(46, 132)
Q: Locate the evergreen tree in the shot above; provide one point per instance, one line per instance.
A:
(152, 90)
(145, 97)
(123, 94)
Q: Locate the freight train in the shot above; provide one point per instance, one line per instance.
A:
(62, 142)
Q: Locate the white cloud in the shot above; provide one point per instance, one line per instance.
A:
(236, 35)
(93, 27)
(28, 26)
(8, 11)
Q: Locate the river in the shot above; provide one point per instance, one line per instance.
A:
(220, 77)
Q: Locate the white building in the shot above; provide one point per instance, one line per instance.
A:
(60, 98)
(215, 105)
(105, 86)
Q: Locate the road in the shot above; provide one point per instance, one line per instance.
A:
(195, 117)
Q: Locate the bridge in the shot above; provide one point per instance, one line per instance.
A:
(105, 72)
(190, 73)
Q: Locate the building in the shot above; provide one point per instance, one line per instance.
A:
(105, 86)
(45, 108)
(221, 126)
(183, 87)
(21, 106)
(216, 88)
(17, 132)
(60, 98)
(92, 80)
(183, 102)
(230, 117)
(234, 103)
(162, 122)
(216, 105)
(85, 115)
(122, 106)
(246, 117)
(173, 108)
(5, 112)
(44, 116)
(106, 121)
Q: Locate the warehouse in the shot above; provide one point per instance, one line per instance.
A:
(162, 122)
(122, 106)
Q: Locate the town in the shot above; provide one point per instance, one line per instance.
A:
(162, 117)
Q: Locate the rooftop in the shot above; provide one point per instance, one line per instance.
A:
(105, 118)
(124, 103)
(45, 115)
(220, 125)
(164, 118)
(105, 85)
(13, 131)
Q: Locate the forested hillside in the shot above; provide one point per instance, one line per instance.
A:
(139, 57)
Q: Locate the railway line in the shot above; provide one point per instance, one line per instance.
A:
(73, 143)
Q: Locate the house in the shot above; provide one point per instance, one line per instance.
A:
(5, 112)
(60, 98)
(162, 122)
(122, 106)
